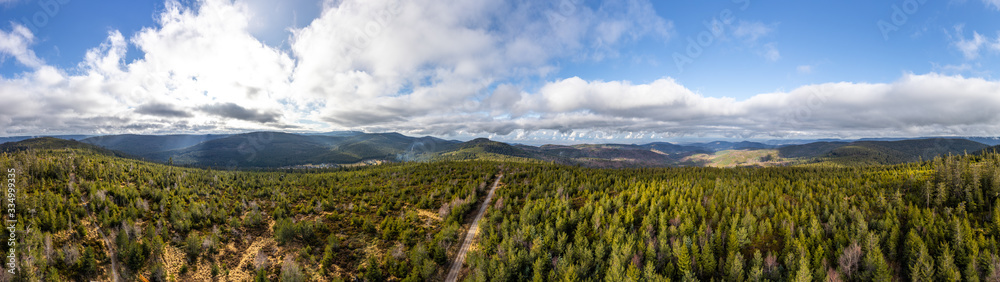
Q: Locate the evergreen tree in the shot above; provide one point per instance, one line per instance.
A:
(735, 267)
(804, 274)
(996, 216)
(707, 260)
(876, 268)
(683, 258)
(757, 267)
(921, 263)
(947, 271)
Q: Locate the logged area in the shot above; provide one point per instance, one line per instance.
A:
(86, 215)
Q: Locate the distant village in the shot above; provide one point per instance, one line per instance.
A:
(326, 165)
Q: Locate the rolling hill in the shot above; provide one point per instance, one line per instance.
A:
(723, 145)
(880, 152)
(52, 143)
(144, 144)
(273, 149)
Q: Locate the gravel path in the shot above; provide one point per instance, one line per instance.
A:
(456, 267)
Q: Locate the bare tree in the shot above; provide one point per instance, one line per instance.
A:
(849, 259)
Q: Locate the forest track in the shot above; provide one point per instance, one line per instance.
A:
(111, 253)
(456, 267)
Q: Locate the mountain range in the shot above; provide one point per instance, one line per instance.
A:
(276, 150)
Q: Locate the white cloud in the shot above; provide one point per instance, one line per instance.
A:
(915, 105)
(994, 3)
(804, 69)
(15, 44)
(195, 57)
(771, 52)
(443, 68)
(412, 58)
(749, 35)
(970, 47)
(752, 30)
(996, 45)
(360, 64)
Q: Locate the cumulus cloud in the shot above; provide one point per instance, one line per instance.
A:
(576, 109)
(162, 110)
(200, 55)
(971, 48)
(446, 68)
(15, 44)
(388, 60)
(231, 110)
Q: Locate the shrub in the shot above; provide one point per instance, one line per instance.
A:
(291, 272)
(193, 244)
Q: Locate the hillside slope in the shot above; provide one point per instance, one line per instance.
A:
(880, 152)
(146, 145)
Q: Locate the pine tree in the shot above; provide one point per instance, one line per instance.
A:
(947, 271)
(804, 274)
(942, 195)
(971, 272)
(708, 260)
(735, 268)
(757, 268)
(876, 268)
(683, 257)
(921, 263)
(996, 216)
(928, 192)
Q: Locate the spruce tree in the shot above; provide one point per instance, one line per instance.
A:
(947, 271)
(921, 263)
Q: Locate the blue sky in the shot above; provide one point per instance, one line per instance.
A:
(532, 71)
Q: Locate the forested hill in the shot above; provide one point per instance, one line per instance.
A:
(881, 152)
(274, 150)
(52, 143)
(88, 213)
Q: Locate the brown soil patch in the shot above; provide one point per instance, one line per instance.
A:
(244, 270)
(173, 259)
(429, 218)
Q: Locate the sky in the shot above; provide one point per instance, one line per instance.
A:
(528, 71)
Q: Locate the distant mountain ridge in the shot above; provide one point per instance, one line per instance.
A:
(881, 152)
(274, 149)
(143, 144)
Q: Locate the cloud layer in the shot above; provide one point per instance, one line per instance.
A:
(447, 68)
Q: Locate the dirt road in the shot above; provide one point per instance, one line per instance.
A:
(456, 267)
(111, 253)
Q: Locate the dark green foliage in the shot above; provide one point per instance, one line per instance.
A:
(133, 254)
(881, 152)
(192, 245)
(286, 231)
(157, 273)
(947, 271)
